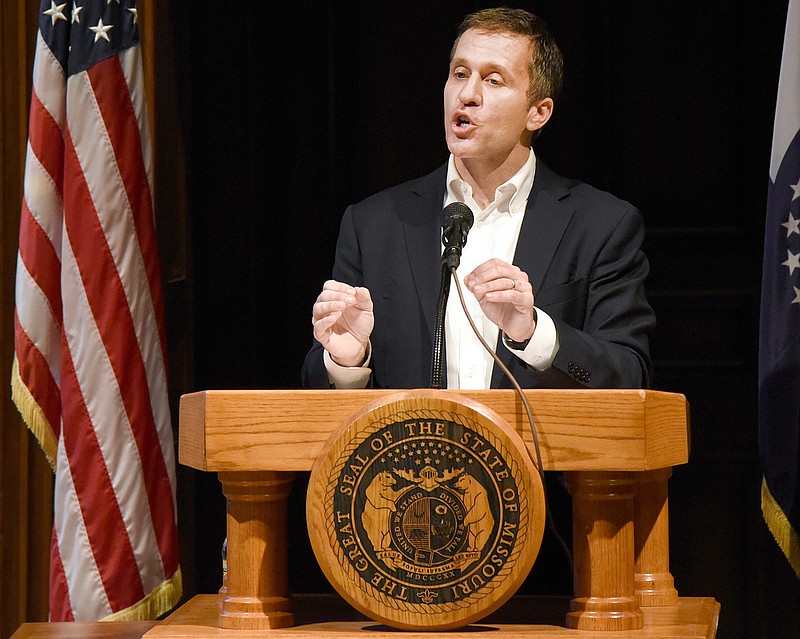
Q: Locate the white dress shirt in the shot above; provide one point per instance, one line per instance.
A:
(494, 234)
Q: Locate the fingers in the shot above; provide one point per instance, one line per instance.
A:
(352, 295)
(363, 300)
(506, 297)
(499, 281)
(336, 297)
(323, 324)
(343, 320)
(333, 291)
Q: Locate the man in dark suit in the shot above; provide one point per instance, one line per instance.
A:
(553, 267)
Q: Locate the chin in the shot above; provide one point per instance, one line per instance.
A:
(462, 149)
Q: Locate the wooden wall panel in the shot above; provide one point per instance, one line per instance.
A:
(26, 497)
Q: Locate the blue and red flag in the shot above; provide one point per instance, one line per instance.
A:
(779, 350)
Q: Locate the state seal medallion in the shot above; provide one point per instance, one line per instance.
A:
(425, 511)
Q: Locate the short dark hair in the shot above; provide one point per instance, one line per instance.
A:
(546, 65)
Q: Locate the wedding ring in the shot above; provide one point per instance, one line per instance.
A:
(513, 284)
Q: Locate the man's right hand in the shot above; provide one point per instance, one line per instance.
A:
(343, 320)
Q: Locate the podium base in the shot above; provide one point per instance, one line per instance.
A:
(691, 618)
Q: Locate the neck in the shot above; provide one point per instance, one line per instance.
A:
(484, 176)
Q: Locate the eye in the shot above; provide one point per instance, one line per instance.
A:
(494, 79)
(459, 74)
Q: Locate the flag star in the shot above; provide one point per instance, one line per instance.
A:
(56, 12)
(792, 261)
(101, 31)
(135, 16)
(796, 299)
(792, 226)
(796, 189)
(76, 14)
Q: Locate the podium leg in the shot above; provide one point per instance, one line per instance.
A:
(602, 528)
(653, 581)
(255, 596)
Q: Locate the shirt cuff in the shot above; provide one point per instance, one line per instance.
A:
(543, 347)
(348, 376)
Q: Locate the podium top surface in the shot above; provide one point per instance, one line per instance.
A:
(579, 430)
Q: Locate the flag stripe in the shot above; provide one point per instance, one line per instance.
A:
(43, 201)
(87, 596)
(39, 257)
(787, 111)
(45, 141)
(35, 374)
(37, 319)
(59, 588)
(109, 306)
(111, 90)
(105, 527)
(131, 63)
(779, 346)
(118, 448)
(48, 82)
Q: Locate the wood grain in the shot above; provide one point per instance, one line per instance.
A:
(602, 523)
(84, 630)
(625, 430)
(691, 618)
(256, 588)
(604, 439)
(654, 583)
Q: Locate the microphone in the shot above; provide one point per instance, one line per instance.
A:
(457, 220)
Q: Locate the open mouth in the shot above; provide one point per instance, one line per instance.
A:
(462, 121)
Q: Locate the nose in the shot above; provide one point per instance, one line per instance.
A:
(470, 93)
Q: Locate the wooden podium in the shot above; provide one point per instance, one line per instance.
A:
(616, 448)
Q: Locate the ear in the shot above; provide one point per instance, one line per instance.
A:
(539, 114)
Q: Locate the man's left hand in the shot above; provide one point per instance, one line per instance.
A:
(505, 296)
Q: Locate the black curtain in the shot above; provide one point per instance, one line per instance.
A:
(294, 110)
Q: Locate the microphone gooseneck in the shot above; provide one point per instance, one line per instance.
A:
(457, 219)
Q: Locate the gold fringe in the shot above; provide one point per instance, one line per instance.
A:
(780, 527)
(161, 600)
(33, 415)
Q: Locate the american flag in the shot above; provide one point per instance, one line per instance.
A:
(779, 352)
(90, 356)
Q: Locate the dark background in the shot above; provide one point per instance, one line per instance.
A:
(291, 111)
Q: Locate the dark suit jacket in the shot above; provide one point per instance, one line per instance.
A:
(580, 247)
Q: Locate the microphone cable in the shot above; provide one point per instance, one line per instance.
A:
(538, 461)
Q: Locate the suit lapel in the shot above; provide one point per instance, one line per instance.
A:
(546, 218)
(423, 238)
